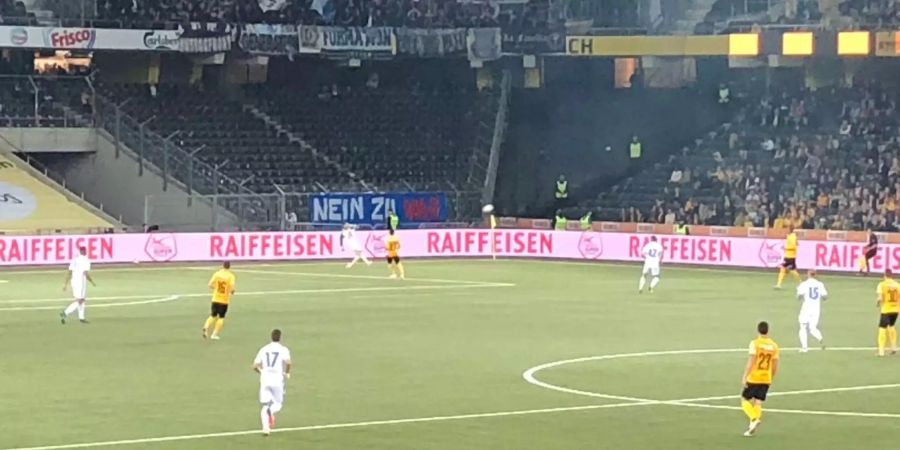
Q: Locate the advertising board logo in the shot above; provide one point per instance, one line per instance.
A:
(161, 247)
(72, 37)
(590, 245)
(18, 36)
(770, 253)
(160, 41)
(309, 37)
(375, 244)
(16, 202)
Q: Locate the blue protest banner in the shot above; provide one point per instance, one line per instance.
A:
(373, 208)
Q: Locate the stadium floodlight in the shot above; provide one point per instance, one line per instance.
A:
(797, 44)
(853, 43)
(743, 44)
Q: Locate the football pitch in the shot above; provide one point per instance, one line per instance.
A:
(462, 355)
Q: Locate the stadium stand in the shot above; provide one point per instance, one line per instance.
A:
(873, 13)
(223, 133)
(303, 140)
(446, 14)
(351, 135)
(799, 158)
(15, 13)
(38, 101)
(394, 138)
(528, 15)
(29, 205)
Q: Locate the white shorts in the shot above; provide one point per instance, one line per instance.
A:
(650, 268)
(271, 394)
(809, 318)
(79, 290)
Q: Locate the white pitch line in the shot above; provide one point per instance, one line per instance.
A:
(100, 305)
(254, 293)
(803, 392)
(530, 374)
(118, 267)
(149, 266)
(632, 403)
(333, 426)
(805, 412)
(62, 299)
(363, 277)
(385, 296)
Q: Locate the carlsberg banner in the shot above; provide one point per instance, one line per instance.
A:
(363, 42)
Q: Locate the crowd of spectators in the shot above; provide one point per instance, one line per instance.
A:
(395, 13)
(827, 159)
(12, 8)
(872, 12)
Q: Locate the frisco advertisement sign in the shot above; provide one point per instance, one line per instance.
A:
(88, 38)
(298, 246)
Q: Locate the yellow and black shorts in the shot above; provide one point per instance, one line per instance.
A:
(218, 310)
(887, 320)
(755, 391)
(789, 263)
(393, 259)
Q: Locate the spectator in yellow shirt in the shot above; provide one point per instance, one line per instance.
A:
(778, 224)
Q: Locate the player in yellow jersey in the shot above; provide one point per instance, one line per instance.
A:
(790, 258)
(889, 302)
(393, 256)
(222, 285)
(758, 375)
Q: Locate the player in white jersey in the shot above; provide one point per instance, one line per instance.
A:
(273, 364)
(652, 253)
(348, 240)
(812, 293)
(77, 278)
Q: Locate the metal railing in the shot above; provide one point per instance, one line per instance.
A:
(172, 162)
(66, 121)
(742, 7)
(42, 94)
(80, 10)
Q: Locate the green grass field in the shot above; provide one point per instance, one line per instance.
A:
(436, 362)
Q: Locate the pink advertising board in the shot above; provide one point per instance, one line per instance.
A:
(285, 246)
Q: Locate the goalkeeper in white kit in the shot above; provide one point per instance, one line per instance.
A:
(812, 293)
(652, 253)
(349, 240)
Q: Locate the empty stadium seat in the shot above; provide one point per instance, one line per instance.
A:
(392, 137)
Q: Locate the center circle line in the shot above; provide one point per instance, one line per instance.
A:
(530, 377)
